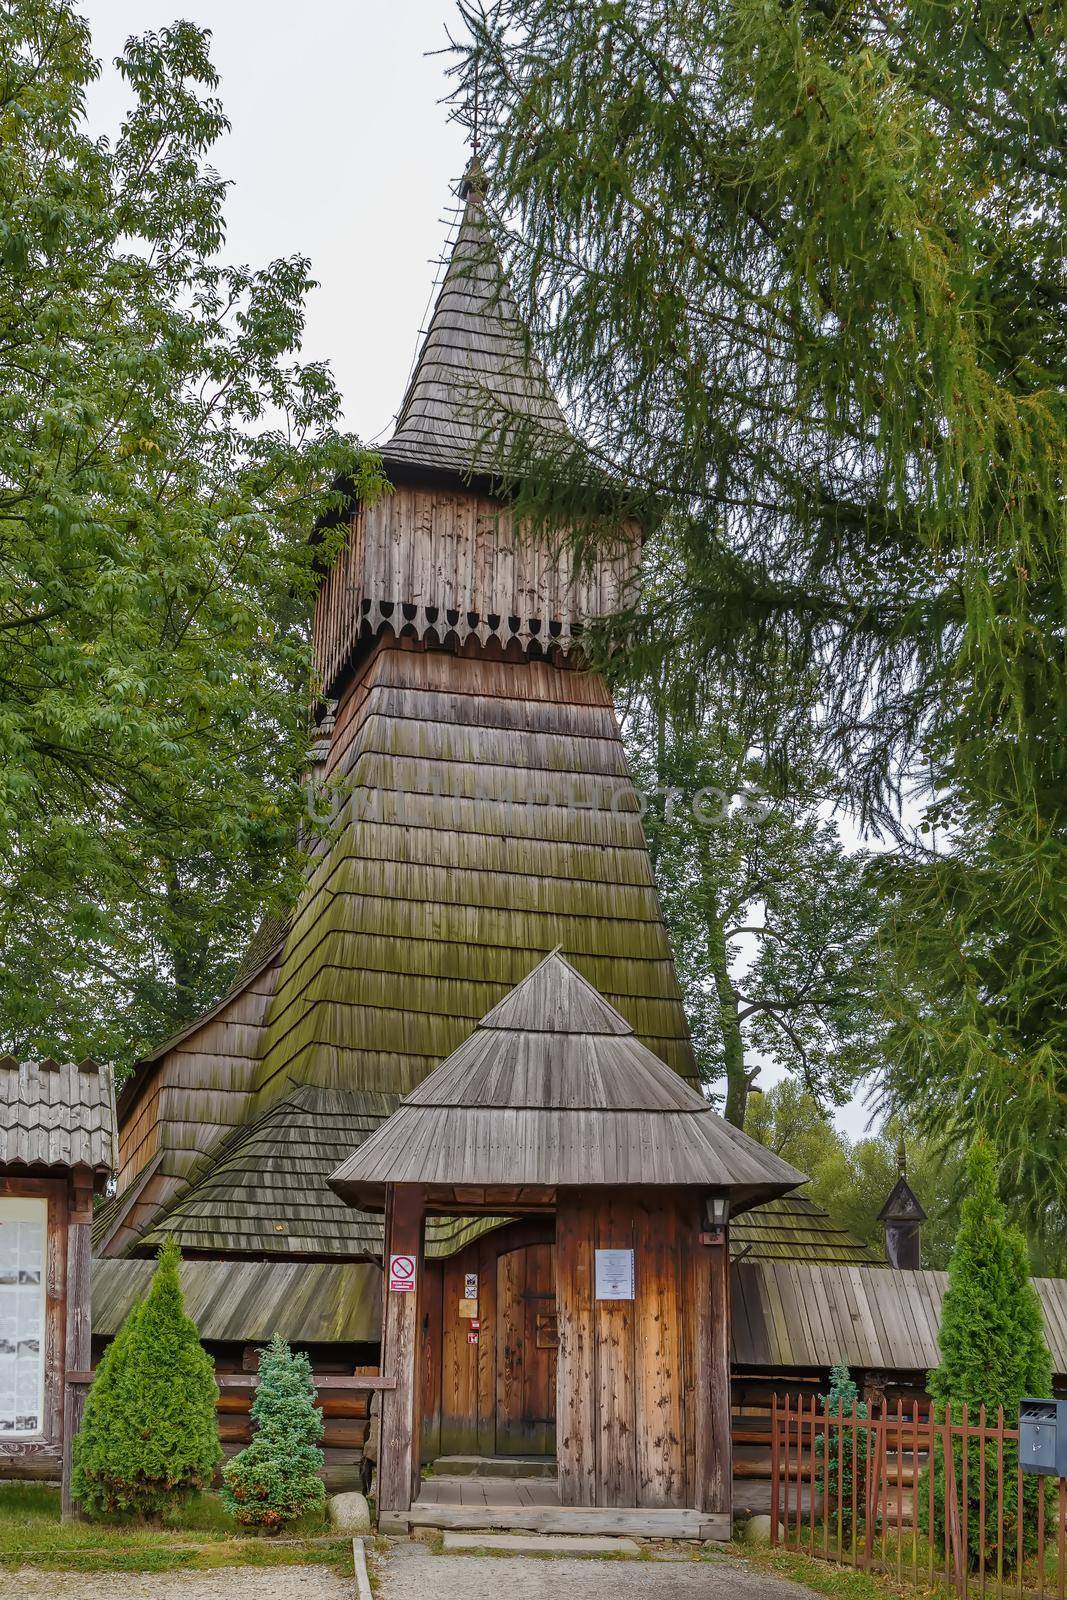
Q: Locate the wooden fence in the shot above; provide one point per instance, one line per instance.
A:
(926, 1501)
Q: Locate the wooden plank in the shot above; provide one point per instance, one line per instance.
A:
(511, 1431)
(714, 1448)
(430, 1359)
(576, 1392)
(644, 1522)
(539, 1364)
(659, 1453)
(616, 1472)
(459, 1367)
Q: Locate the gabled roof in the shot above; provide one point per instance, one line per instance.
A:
(477, 388)
(553, 1089)
(56, 1116)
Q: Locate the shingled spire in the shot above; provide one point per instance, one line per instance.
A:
(478, 392)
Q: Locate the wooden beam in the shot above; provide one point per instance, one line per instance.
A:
(650, 1523)
(246, 1383)
(398, 1463)
(78, 1345)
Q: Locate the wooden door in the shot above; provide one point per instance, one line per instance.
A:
(526, 1351)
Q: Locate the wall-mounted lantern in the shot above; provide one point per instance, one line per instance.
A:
(717, 1215)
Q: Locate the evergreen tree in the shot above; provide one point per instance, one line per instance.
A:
(770, 920)
(149, 1436)
(993, 1353)
(277, 1477)
(799, 270)
(845, 1451)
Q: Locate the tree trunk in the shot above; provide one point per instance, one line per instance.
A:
(737, 1078)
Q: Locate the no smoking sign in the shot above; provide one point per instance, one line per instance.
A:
(402, 1274)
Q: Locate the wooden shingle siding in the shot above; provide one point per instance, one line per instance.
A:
(412, 928)
(194, 1091)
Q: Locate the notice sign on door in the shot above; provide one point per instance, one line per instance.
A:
(470, 1286)
(401, 1274)
(614, 1274)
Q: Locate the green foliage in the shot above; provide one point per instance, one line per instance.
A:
(993, 1353)
(851, 1179)
(770, 920)
(845, 1452)
(163, 461)
(801, 270)
(149, 1436)
(277, 1477)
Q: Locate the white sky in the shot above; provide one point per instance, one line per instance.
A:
(340, 150)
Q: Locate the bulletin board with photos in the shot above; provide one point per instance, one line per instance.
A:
(23, 1247)
(34, 1237)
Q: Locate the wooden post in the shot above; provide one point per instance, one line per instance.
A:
(78, 1343)
(714, 1445)
(398, 1464)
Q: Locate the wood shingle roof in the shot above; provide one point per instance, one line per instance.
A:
(57, 1116)
(552, 1089)
(478, 393)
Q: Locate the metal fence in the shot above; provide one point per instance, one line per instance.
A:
(927, 1501)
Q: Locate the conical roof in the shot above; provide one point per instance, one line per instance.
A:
(477, 388)
(552, 1089)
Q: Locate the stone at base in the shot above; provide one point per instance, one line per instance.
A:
(757, 1530)
(349, 1513)
(544, 1544)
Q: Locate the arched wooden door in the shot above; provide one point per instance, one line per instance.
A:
(526, 1351)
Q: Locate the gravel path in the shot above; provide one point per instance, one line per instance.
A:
(216, 1583)
(413, 1572)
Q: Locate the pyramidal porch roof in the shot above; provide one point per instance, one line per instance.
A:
(553, 1090)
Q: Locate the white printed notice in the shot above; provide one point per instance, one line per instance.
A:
(23, 1233)
(614, 1274)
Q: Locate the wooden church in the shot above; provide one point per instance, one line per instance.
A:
(483, 817)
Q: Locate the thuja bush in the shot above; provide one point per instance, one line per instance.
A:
(844, 1451)
(993, 1353)
(277, 1478)
(149, 1436)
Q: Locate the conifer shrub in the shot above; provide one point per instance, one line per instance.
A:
(277, 1477)
(149, 1437)
(993, 1353)
(845, 1453)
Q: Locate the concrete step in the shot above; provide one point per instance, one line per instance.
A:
(541, 1544)
(494, 1467)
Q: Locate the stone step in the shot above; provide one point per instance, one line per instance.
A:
(494, 1467)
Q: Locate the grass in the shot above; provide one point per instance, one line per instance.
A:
(200, 1534)
(839, 1583)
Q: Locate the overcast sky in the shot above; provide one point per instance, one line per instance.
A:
(340, 150)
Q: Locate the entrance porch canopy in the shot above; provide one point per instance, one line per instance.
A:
(552, 1105)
